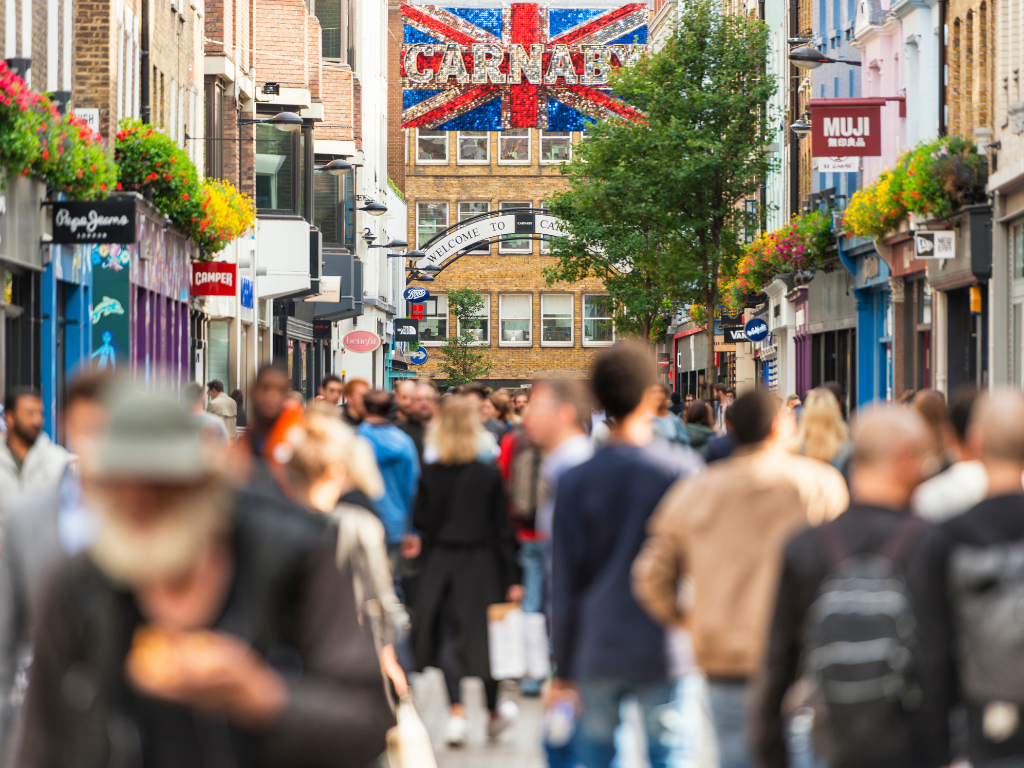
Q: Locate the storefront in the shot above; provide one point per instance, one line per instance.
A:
(831, 330)
(912, 319)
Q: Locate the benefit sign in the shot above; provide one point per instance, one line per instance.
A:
(518, 66)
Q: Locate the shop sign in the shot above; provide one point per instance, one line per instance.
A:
(935, 245)
(416, 294)
(213, 278)
(756, 330)
(838, 164)
(419, 357)
(330, 290)
(245, 290)
(321, 329)
(733, 335)
(361, 341)
(664, 361)
(846, 130)
(407, 329)
(94, 221)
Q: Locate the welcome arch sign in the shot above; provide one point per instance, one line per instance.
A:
(487, 228)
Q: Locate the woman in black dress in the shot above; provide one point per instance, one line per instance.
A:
(461, 513)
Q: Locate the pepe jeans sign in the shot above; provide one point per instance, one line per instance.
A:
(94, 221)
(462, 239)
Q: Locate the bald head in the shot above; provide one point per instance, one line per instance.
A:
(890, 456)
(997, 427)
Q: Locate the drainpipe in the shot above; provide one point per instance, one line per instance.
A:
(942, 67)
(145, 111)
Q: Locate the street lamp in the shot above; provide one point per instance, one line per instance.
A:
(809, 57)
(432, 269)
(283, 121)
(337, 167)
(392, 244)
(372, 207)
(801, 127)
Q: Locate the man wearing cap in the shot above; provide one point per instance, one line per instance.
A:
(204, 626)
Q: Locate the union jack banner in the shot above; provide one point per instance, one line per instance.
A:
(520, 66)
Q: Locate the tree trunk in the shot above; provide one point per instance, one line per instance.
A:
(709, 310)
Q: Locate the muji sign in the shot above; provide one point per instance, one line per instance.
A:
(213, 278)
(521, 66)
(846, 127)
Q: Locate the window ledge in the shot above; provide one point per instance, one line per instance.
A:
(431, 162)
(520, 344)
(598, 343)
(431, 343)
(562, 344)
(514, 162)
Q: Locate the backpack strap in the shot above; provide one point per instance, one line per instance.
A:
(902, 538)
(833, 546)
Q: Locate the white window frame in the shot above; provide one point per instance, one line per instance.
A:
(545, 242)
(583, 322)
(447, 217)
(501, 318)
(487, 316)
(503, 246)
(447, 149)
(541, 142)
(447, 321)
(572, 321)
(458, 148)
(484, 250)
(529, 147)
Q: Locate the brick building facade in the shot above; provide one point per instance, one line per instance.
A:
(534, 331)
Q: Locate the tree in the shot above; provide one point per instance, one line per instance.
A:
(460, 362)
(658, 208)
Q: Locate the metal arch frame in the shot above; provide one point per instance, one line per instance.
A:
(412, 272)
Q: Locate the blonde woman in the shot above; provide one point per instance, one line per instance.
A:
(330, 459)
(461, 512)
(823, 433)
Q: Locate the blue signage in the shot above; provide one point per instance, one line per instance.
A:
(419, 357)
(245, 289)
(414, 294)
(756, 330)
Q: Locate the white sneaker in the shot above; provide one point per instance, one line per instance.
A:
(455, 731)
(507, 713)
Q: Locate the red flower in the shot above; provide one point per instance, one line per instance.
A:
(119, 187)
(184, 196)
(46, 154)
(94, 167)
(103, 187)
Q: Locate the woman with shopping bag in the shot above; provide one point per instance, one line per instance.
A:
(461, 513)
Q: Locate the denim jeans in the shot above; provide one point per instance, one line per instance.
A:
(531, 560)
(601, 704)
(728, 702)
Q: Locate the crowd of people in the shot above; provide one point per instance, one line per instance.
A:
(187, 581)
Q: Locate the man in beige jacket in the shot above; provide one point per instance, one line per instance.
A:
(724, 532)
(223, 406)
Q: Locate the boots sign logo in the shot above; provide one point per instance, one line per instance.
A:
(847, 129)
(756, 330)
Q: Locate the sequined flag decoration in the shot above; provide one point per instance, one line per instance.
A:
(521, 66)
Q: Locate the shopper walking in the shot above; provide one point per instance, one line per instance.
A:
(823, 433)
(353, 411)
(330, 390)
(415, 411)
(462, 514)
(985, 582)
(29, 461)
(240, 416)
(605, 647)
(861, 614)
(222, 406)
(399, 466)
(698, 426)
(665, 424)
(725, 530)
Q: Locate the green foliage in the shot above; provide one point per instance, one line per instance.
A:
(656, 208)
(396, 190)
(461, 362)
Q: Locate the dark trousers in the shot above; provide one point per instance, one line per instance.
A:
(452, 664)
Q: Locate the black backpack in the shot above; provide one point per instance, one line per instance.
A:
(860, 652)
(987, 589)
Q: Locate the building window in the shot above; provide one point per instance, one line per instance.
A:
(434, 325)
(277, 169)
(333, 18)
(214, 129)
(555, 146)
(924, 302)
(545, 241)
(515, 318)
(1017, 249)
(597, 320)
(474, 147)
(431, 218)
(556, 319)
(334, 207)
(480, 327)
(515, 244)
(514, 146)
(431, 147)
(468, 211)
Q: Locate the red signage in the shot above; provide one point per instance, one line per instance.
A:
(361, 341)
(846, 127)
(213, 278)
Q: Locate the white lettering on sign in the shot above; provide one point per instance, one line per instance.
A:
(845, 126)
(205, 278)
(90, 222)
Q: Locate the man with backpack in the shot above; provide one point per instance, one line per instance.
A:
(861, 620)
(986, 585)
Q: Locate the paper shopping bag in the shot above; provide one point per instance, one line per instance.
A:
(506, 641)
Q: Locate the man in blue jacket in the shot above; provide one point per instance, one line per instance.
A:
(400, 468)
(605, 645)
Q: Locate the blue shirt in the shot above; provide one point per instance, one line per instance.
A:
(400, 469)
(598, 630)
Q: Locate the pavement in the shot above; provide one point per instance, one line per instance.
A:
(520, 745)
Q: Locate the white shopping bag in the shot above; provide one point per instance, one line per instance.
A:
(506, 641)
(408, 742)
(538, 658)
